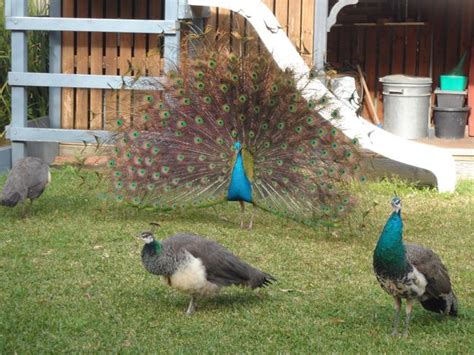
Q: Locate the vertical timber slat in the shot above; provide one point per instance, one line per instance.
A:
(424, 52)
(307, 26)
(439, 42)
(110, 63)
(359, 53)
(67, 59)
(371, 62)
(96, 68)
(139, 47)
(154, 59)
(452, 19)
(294, 24)
(82, 67)
(281, 13)
(398, 49)
(467, 25)
(139, 42)
(384, 55)
(332, 45)
(125, 43)
(411, 34)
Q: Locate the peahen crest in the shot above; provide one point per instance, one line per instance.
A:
(224, 110)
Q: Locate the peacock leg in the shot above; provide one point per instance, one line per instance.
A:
(251, 217)
(396, 319)
(242, 211)
(191, 307)
(409, 308)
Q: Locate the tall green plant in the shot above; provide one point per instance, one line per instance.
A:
(38, 57)
(4, 65)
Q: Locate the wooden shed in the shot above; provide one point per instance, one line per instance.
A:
(412, 37)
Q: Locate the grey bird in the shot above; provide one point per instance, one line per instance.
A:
(27, 180)
(411, 272)
(197, 266)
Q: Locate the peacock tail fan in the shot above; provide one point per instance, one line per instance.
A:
(181, 151)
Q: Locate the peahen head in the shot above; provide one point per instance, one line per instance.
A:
(147, 237)
(396, 204)
(152, 245)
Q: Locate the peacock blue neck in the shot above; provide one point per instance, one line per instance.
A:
(240, 188)
(390, 255)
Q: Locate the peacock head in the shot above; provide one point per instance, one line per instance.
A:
(147, 237)
(237, 146)
(396, 204)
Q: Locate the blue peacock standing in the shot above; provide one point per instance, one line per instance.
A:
(234, 127)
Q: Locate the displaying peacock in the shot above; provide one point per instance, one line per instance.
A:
(411, 272)
(197, 266)
(231, 126)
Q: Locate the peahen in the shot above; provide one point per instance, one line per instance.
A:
(411, 271)
(27, 180)
(197, 266)
(232, 126)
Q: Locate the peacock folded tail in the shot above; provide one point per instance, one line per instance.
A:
(227, 119)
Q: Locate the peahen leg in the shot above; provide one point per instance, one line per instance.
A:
(251, 217)
(242, 211)
(396, 319)
(25, 209)
(191, 307)
(409, 308)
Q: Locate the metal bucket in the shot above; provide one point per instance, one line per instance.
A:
(406, 105)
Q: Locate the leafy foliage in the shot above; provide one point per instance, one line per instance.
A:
(38, 56)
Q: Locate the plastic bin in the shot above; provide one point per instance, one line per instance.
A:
(406, 103)
(454, 99)
(453, 82)
(450, 122)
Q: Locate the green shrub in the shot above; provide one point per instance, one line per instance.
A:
(4, 65)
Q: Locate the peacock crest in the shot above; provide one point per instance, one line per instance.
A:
(227, 121)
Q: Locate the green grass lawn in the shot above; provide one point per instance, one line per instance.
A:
(71, 278)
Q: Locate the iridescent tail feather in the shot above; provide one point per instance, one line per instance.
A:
(179, 151)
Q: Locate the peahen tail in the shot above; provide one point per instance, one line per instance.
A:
(447, 304)
(179, 151)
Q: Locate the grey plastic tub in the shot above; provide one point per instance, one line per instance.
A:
(450, 122)
(406, 104)
(455, 99)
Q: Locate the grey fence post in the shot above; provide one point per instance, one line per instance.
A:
(19, 64)
(172, 42)
(55, 67)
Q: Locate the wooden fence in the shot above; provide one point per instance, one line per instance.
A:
(295, 16)
(414, 37)
(109, 54)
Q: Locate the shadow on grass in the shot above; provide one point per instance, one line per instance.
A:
(159, 296)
